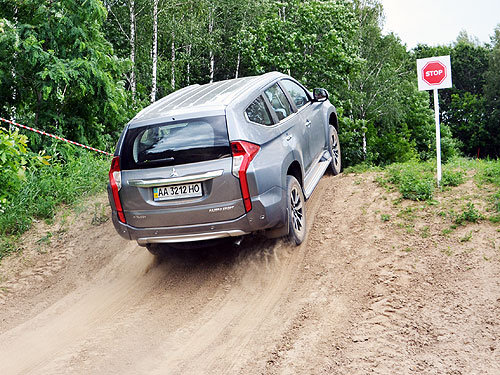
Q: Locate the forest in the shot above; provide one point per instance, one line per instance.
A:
(81, 69)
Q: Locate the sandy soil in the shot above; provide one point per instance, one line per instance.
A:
(361, 295)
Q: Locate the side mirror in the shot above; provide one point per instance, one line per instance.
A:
(320, 95)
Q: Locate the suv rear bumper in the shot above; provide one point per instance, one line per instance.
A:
(268, 211)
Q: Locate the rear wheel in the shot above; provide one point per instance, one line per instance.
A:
(336, 163)
(296, 211)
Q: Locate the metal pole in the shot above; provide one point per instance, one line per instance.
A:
(438, 136)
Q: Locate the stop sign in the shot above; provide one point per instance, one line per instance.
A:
(434, 72)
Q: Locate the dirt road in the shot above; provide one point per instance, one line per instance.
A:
(377, 287)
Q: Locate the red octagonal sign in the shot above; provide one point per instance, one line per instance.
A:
(433, 73)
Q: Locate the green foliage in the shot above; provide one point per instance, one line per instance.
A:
(312, 40)
(385, 217)
(470, 214)
(68, 179)
(13, 160)
(414, 180)
(59, 73)
(452, 177)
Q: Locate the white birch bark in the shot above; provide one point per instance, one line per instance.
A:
(154, 52)
(211, 52)
(133, 81)
(172, 82)
(188, 72)
(238, 65)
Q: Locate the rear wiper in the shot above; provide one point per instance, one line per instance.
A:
(157, 160)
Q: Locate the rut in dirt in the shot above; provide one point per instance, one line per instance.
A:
(201, 311)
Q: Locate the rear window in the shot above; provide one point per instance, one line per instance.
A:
(177, 142)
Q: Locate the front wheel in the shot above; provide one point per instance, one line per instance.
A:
(336, 163)
(296, 211)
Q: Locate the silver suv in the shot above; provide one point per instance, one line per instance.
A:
(223, 160)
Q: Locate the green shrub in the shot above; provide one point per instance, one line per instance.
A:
(489, 172)
(68, 178)
(452, 177)
(470, 214)
(414, 180)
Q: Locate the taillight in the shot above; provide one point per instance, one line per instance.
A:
(243, 153)
(115, 180)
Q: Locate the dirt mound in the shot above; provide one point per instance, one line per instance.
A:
(376, 287)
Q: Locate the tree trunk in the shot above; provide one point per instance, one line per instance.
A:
(133, 83)
(188, 73)
(364, 145)
(238, 65)
(154, 50)
(211, 52)
(173, 61)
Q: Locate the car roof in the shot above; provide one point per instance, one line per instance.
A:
(204, 99)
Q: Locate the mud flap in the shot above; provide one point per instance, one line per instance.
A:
(279, 231)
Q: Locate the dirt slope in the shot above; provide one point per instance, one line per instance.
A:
(361, 295)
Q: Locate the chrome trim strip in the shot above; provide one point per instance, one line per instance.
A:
(199, 177)
(190, 237)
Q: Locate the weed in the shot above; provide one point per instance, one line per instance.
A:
(470, 214)
(452, 177)
(424, 232)
(446, 231)
(45, 239)
(447, 251)
(361, 168)
(408, 250)
(466, 238)
(495, 219)
(385, 217)
(66, 181)
(99, 215)
(8, 245)
(415, 181)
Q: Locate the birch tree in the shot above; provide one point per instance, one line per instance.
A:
(154, 51)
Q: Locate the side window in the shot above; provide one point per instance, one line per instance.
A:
(258, 112)
(278, 101)
(297, 93)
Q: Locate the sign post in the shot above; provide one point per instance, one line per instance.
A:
(435, 73)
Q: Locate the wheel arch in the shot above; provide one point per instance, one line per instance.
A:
(295, 170)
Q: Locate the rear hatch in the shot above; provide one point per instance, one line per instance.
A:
(179, 173)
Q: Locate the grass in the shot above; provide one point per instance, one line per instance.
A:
(385, 217)
(65, 181)
(470, 214)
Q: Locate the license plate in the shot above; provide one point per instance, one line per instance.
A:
(164, 193)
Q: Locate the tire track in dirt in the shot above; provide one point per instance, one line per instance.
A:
(77, 330)
(362, 294)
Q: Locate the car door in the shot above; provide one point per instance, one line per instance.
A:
(310, 118)
(289, 122)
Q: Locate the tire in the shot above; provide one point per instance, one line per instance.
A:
(296, 211)
(336, 163)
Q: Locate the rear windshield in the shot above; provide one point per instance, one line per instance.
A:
(177, 142)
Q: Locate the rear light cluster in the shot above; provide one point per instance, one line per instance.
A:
(243, 153)
(115, 180)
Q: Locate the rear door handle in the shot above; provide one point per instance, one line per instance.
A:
(308, 123)
(288, 137)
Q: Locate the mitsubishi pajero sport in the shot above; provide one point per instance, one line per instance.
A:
(223, 159)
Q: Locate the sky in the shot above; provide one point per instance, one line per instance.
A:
(437, 22)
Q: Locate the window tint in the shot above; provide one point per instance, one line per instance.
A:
(258, 112)
(297, 93)
(278, 101)
(173, 143)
